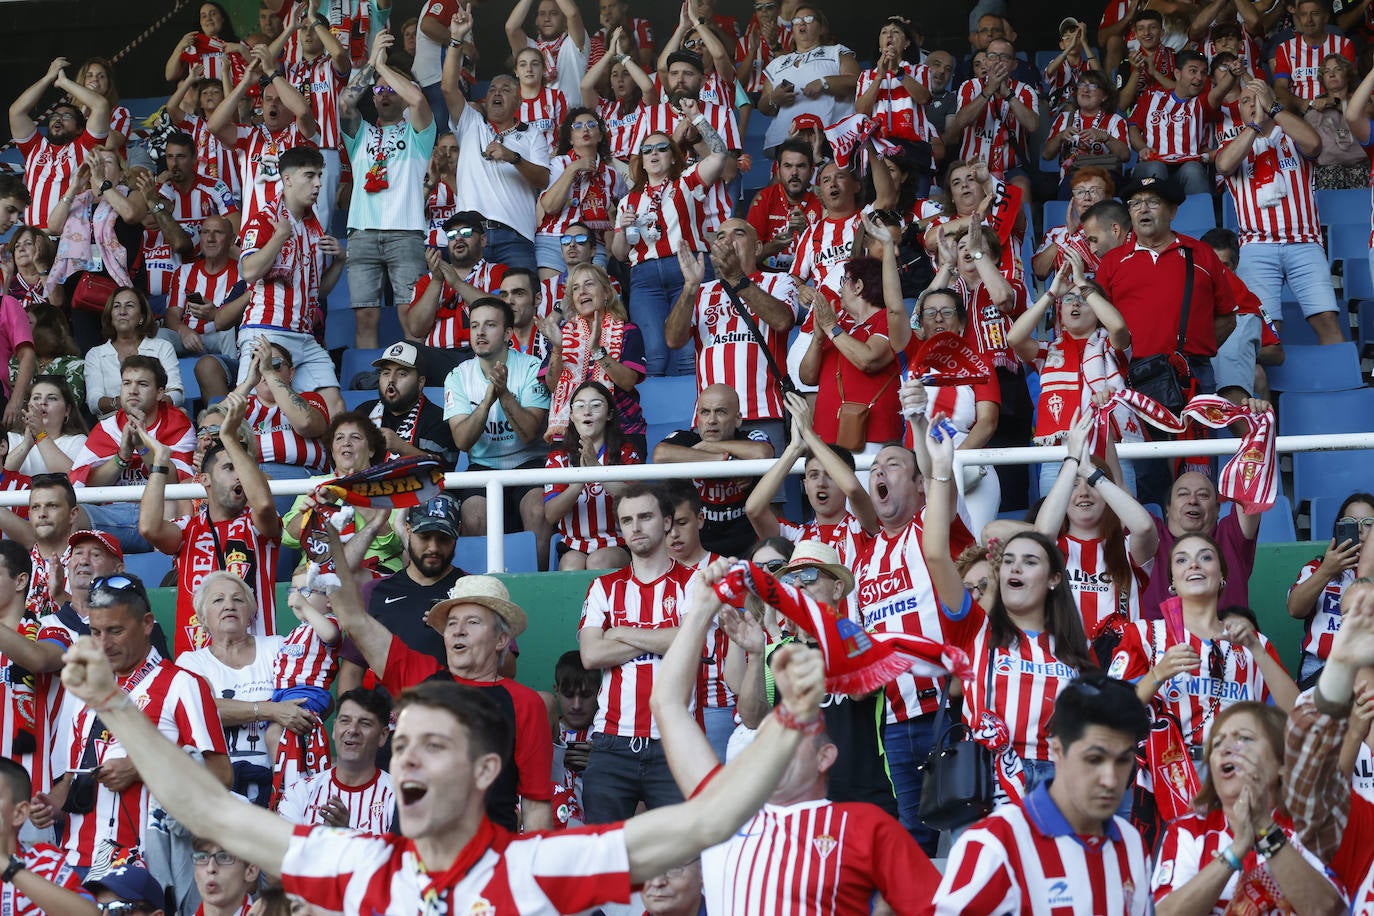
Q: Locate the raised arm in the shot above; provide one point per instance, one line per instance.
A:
(459, 31)
(516, 36)
(418, 112)
(759, 506)
(22, 124)
(261, 505)
(153, 524)
(1356, 109)
(98, 121)
(939, 513)
(860, 503)
(368, 633)
(222, 123)
(577, 30)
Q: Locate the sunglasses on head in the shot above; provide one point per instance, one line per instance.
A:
(648, 148)
(580, 238)
(803, 20)
(462, 232)
(278, 363)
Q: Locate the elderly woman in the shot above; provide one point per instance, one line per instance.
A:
(238, 666)
(53, 429)
(130, 329)
(1241, 846)
(817, 77)
(597, 342)
(26, 279)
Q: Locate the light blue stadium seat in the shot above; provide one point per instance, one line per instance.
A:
(1056, 213)
(1344, 206)
(1366, 319)
(1276, 525)
(338, 328)
(671, 399)
(189, 385)
(150, 567)
(1196, 216)
(471, 553)
(1324, 511)
(1229, 219)
(355, 361)
(1317, 368)
(435, 393)
(353, 398)
(1348, 242)
(1295, 328)
(1330, 473)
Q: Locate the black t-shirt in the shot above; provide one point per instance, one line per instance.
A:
(727, 530)
(401, 604)
(432, 432)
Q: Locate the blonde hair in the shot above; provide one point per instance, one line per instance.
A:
(614, 306)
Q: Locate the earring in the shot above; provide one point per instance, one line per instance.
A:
(1172, 590)
(1223, 583)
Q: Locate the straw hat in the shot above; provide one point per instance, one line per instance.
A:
(486, 591)
(823, 557)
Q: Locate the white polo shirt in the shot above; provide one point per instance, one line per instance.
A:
(493, 188)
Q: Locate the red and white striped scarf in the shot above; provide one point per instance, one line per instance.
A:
(578, 365)
(1072, 380)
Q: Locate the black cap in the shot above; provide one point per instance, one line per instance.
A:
(689, 58)
(1166, 188)
(438, 513)
(466, 218)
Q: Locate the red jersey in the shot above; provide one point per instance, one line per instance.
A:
(536, 874)
(208, 51)
(590, 524)
(320, 83)
(1072, 149)
(180, 704)
(285, 296)
(995, 136)
(213, 288)
(988, 326)
(258, 150)
(206, 197)
(1275, 193)
(816, 858)
(894, 107)
(441, 203)
(234, 545)
(213, 158)
(727, 352)
(278, 441)
(48, 171)
(371, 806)
(769, 214)
(851, 384)
(671, 217)
(172, 428)
(1173, 128)
(450, 328)
(848, 537)
(823, 249)
(1059, 237)
(619, 599)
(1301, 63)
(544, 112)
(49, 863)
(305, 660)
(1090, 582)
(638, 30)
(621, 126)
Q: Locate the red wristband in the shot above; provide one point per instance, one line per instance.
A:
(787, 720)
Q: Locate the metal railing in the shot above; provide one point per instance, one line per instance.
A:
(495, 482)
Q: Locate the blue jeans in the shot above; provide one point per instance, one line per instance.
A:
(1265, 265)
(720, 725)
(121, 520)
(622, 772)
(508, 247)
(1037, 771)
(908, 745)
(1190, 176)
(654, 287)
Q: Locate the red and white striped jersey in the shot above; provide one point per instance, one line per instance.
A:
(441, 203)
(48, 171)
(763, 56)
(194, 278)
(173, 428)
(618, 599)
(1321, 628)
(551, 291)
(604, 183)
(160, 260)
(213, 158)
(1275, 193)
(848, 537)
(1229, 674)
(236, 546)
(727, 352)
(40, 601)
(988, 325)
(638, 30)
(1090, 582)
(1059, 238)
(206, 197)
(305, 660)
(1191, 842)
(371, 806)
(278, 441)
(621, 126)
(544, 112)
(1249, 50)
(208, 51)
(24, 720)
(713, 91)
(894, 107)
(995, 136)
(1063, 79)
(816, 858)
(536, 874)
(450, 329)
(320, 83)
(121, 121)
(182, 707)
(258, 150)
(1301, 63)
(285, 296)
(590, 524)
(769, 214)
(1071, 149)
(823, 249)
(662, 118)
(895, 595)
(671, 217)
(1172, 127)
(1026, 858)
(49, 863)
(1228, 124)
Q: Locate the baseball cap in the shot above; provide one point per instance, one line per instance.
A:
(687, 57)
(486, 591)
(439, 513)
(132, 884)
(1067, 24)
(466, 218)
(402, 354)
(106, 540)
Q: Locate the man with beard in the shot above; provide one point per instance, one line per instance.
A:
(502, 164)
(944, 90)
(401, 600)
(441, 197)
(237, 529)
(188, 196)
(520, 290)
(51, 161)
(411, 424)
(498, 410)
(561, 38)
(784, 209)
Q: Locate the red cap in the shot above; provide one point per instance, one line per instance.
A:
(109, 542)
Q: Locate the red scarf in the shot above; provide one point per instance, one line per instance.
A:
(578, 365)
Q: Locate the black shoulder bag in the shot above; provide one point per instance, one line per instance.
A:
(960, 786)
(783, 379)
(1165, 377)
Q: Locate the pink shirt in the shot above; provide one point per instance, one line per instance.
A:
(15, 332)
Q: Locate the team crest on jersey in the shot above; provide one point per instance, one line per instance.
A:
(670, 606)
(481, 907)
(824, 844)
(1118, 666)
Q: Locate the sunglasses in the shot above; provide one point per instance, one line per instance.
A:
(764, 7)
(222, 858)
(462, 232)
(580, 239)
(584, 125)
(277, 363)
(116, 583)
(773, 565)
(383, 90)
(648, 148)
(807, 575)
(208, 431)
(120, 908)
(692, 43)
(803, 20)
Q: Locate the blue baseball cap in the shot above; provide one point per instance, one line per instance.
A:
(132, 884)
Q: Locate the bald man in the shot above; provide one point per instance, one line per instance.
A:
(728, 352)
(718, 437)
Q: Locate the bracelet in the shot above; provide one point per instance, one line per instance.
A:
(1229, 858)
(159, 469)
(454, 43)
(256, 717)
(1271, 842)
(120, 462)
(787, 720)
(1073, 458)
(104, 705)
(15, 867)
(941, 479)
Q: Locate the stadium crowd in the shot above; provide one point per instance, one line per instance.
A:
(840, 248)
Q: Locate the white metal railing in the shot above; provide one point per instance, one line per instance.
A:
(496, 481)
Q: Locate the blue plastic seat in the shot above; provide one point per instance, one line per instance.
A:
(339, 327)
(1196, 215)
(1229, 218)
(190, 385)
(1324, 511)
(1344, 206)
(471, 553)
(1335, 367)
(1296, 330)
(1350, 243)
(1328, 473)
(670, 399)
(657, 432)
(1056, 213)
(1276, 525)
(150, 567)
(352, 398)
(355, 361)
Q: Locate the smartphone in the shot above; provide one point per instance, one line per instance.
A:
(1348, 530)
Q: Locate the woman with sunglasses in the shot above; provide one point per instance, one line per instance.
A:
(1028, 644)
(584, 188)
(817, 77)
(1315, 598)
(632, 92)
(584, 512)
(53, 429)
(1239, 852)
(664, 212)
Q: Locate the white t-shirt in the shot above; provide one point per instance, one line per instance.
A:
(33, 461)
(251, 683)
(572, 66)
(428, 66)
(495, 189)
(800, 68)
(499, 446)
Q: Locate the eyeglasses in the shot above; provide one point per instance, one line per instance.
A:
(803, 20)
(773, 565)
(977, 589)
(648, 148)
(304, 591)
(462, 232)
(584, 125)
(222, 858)
(580, 238)
(947, 312)
(62, 116)
(119, 907)
(1364, 523)
(678, 871)
(764, 7)
(1087, 192)
(997, 55)
(807, 575)
(1144, 203)
(383, 90)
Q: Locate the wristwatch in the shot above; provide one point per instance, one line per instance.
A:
(454, 43)
(1275, 110)
(835, 332)
(599, 354)
(106, 185)
(977, 256)
(158, 208)
(1095, 476)
(1269, 843)
(15, 867)
(825, 84)
(518, 159)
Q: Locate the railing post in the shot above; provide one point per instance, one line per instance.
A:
(496, 526)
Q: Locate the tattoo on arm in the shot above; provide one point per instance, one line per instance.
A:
(710, 137)
(349, 118)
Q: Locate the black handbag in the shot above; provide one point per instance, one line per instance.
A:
(1165, 377)
(960, 786)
